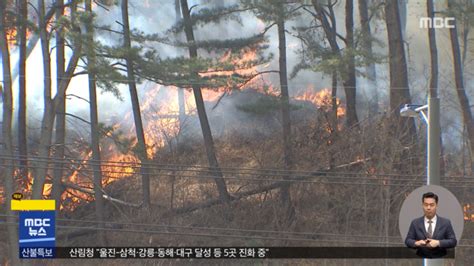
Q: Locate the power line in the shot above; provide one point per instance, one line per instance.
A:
(298, 179)
(208, 173)
(417, 183)
(289, 180)
(181, 167)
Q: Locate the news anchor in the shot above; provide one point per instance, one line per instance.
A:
(430, 234)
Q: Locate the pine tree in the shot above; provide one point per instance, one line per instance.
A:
(278, 13)
(326, 55)
(95, 135)
(206, 129)
(142, 152)
(200, 70)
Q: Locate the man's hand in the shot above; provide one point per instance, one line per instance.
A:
(432, 243)
(420, 243)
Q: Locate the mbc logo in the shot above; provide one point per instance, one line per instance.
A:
(437, 23)
(37, 222)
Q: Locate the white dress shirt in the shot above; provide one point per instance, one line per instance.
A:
(433, 224)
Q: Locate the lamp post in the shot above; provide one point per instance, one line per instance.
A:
(434, 134)
(433, 145)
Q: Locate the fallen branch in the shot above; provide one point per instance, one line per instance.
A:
(356, 162)
(238, 196)
(105, 196)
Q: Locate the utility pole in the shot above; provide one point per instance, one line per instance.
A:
(434, 129)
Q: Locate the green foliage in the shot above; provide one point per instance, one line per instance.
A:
(139, 36)
(220, 67)
(223, 45)
(123, 143)
(317, 55)
(273, 10)
(205, 16)
(107, 77)
(205, 72)
(262, 106)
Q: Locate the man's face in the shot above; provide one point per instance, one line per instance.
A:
(429, 207)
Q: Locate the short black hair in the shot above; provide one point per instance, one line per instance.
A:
(430, 195)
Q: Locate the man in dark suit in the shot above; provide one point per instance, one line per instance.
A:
(431, 234)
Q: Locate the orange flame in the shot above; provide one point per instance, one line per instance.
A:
(468, 213)
(322, 99)
(161, 124)
(11, 36)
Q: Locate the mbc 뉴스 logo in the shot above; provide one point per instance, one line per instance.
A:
(37, 222)
(37, 229)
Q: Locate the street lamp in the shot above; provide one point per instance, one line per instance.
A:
(434, 135)
(433, 145)
(412, 110)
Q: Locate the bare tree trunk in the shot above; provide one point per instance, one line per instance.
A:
(333, 121)
(182, 114)
(206, 130)
(285, 110)
(350, 75)
(181, 97)
(7, 147)
(433, 53)
(60, 112)
(367, 46)
(142, 152)
(399, 89)
(22, 140)
(48, 115)
(95, 136)
(461, 92)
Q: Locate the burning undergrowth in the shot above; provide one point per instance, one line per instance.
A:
(239, 114)
(181, 179)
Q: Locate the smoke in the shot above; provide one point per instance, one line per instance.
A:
(158, 16)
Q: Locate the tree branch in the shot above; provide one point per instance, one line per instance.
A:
(76, 96)
(105, 196)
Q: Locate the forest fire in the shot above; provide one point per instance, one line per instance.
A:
(242, 64)
(11, 36)
(2, 195)
(194, 122)
(161, 120)
(468, 212)
(322, 99)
